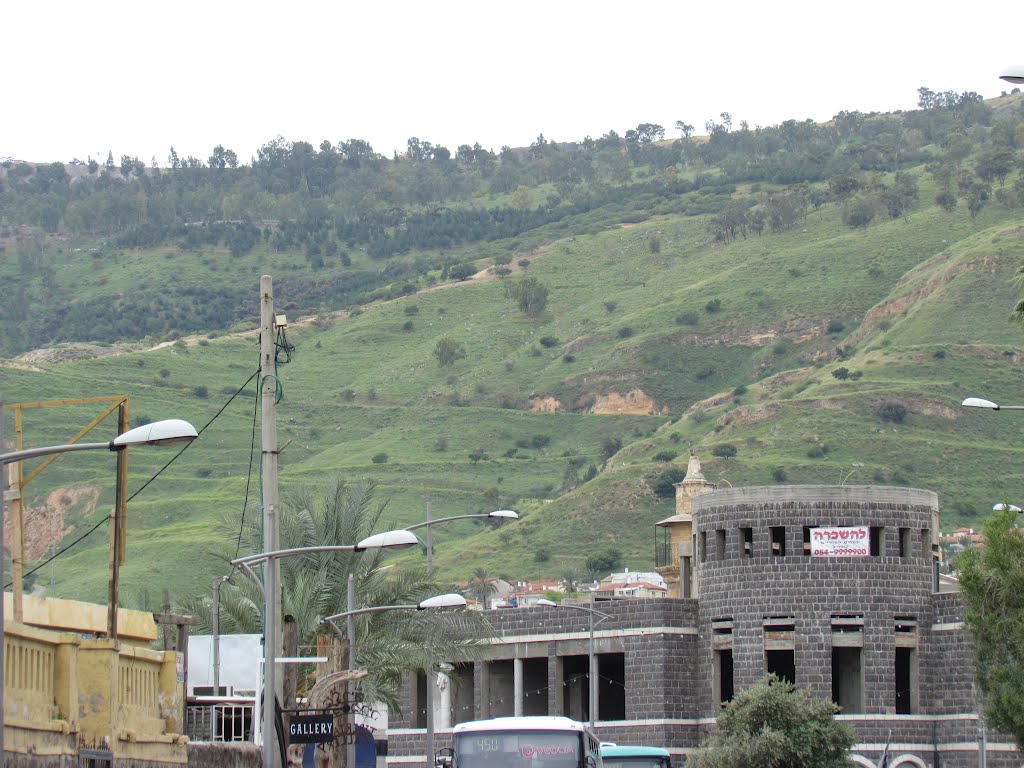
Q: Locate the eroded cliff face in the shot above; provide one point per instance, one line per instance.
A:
(636, 401)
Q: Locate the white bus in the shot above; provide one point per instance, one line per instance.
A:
(522, 742)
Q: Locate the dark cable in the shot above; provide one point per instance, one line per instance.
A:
(248, 478)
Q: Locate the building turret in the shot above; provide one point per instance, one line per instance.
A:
(675, 546)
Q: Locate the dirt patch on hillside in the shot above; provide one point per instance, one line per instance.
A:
(63, 353)
(47, 524)
(545, 404)
(636, 401)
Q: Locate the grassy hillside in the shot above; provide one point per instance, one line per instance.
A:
(917, 308)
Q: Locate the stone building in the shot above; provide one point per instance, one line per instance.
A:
(833, 587)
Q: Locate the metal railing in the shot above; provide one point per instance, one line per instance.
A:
(219, 718)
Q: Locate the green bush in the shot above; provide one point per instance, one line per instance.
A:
(548, 341)
(664, 485)
(379, 458)
(724, 451)
(894, 412)
(664, 456)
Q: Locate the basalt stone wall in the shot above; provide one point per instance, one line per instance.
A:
(757, 585)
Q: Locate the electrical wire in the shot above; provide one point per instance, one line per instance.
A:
(248, 476)
(106, 518)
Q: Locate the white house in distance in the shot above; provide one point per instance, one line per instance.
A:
(638, 584)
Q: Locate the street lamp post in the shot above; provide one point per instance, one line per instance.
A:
(591, 659)
(387, 540)
(450, 600)
(977, 402)
(429, 523)
(1005, 507)
(1014, 74)
(169, 432)
(498, 514)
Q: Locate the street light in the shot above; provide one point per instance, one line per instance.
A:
(592, 662)
(498, 514)
(387, 540)
(429, 523)
(977, 402)
(450, 600)
(1014, 74)
(170, 432)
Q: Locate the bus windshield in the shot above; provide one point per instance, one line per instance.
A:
(517, 749)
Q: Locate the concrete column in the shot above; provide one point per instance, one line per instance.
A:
(483, 698)
(517, 685)
(556, 679)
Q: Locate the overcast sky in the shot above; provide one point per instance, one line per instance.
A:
(135, 78)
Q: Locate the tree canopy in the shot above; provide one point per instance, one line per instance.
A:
(992, 589)
(774, 725)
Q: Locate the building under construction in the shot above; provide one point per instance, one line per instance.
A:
(835, 588)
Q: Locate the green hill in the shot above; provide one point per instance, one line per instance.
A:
(821, 349)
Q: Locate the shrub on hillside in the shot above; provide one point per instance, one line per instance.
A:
(894, 412)
(664, 485)
(664, 456)
(724, 451)
(379, 458)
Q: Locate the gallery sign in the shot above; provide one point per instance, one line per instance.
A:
(841, 541)
(306, 729)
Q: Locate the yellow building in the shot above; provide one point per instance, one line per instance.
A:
(68, 687)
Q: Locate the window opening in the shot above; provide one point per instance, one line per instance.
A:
(746, 542)
(847, 680)
(877, 541)
(778, 534)
(905, 682)
(720, 544)
(905, 545)
(781, 663)
(723, 673)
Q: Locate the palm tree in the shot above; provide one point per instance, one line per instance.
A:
(314, 585)
(482, 586)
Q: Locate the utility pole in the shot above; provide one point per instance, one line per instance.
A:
(271, 529)
(3, 499)
(350, 629)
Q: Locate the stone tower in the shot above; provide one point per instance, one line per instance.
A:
(676, 555)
